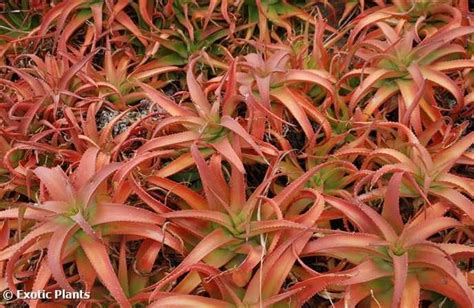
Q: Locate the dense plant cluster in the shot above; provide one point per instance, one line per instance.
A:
(238, 153)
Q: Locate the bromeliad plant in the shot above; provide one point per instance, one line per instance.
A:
(206, 122)
(237, 153)
(76, 222)
(407, 77)
(425, 17)
(334, 176)
(272, 88)
(396, 262)
(230, 230)
(426, 170)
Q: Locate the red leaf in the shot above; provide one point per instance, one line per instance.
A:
(211, 242)
(206, 215)
(423, 230)
(55, 261)
(56, 182)
(197, 94)
(313, 285)
(391, 207)
(224, 147)
(187, 301)
(86, 169)
(109, 212)
(400, 271)
(456, 199)
(99, 258)
(163, 101)
(86, 193)
(411, 292)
